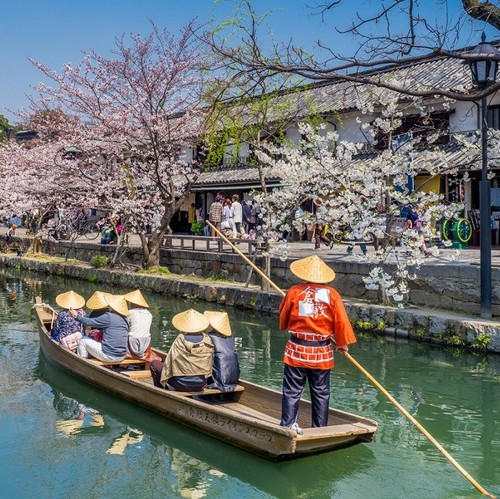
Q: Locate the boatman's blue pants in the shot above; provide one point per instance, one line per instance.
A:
(294, 380)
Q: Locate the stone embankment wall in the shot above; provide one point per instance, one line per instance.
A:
(419, 324)
(439, 285)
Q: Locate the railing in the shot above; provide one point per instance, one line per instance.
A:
(204, 243)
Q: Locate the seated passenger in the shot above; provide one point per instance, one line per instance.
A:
(114, 326)
(67, 330)
(226, 369)
(189, 361)
(98, 305)
(139, 320)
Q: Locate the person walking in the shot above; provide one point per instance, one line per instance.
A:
(228, 217)
(247, 213)
(313, 314)
(238, 213)
(11, 232)
(215, 215)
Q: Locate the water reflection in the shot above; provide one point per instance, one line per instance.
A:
(193, 460)
(137, 452)
(73, 417)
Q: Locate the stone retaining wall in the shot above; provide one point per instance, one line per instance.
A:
(439, 285)
(419, 324)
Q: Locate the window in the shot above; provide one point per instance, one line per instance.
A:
(494, 117)
(421, 127)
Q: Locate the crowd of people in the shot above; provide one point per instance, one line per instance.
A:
(234, 218)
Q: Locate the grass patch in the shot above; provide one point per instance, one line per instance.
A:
(155, 270)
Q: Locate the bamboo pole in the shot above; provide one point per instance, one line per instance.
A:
(400, 408)
(419, 426)
(262, 274)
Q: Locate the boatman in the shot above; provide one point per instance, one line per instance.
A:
(314, 316)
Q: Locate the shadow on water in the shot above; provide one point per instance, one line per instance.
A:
(194, 449)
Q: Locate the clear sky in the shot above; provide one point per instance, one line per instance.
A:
(56, 32)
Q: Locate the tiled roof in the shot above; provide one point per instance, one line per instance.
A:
(245, 176)
(443, 73)
(234, 176)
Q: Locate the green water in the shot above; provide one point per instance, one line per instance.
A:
(61, 437)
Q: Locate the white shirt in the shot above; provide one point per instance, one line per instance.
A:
(238, 212)
(139, 320)
(139, 337)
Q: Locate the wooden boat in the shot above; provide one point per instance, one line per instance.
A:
(247, 417)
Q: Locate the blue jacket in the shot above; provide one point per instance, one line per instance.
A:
(114, 329)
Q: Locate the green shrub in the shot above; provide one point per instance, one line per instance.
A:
(197, 227)
(99, 261)
(482, 341)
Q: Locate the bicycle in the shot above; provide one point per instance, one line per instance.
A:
(90, 230)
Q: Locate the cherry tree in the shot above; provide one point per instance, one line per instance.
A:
(359, 196)
(125, 125)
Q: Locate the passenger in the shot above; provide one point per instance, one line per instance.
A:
(139, 320)
(67, 330)
(114, 326)
(313, 314)
(189, 361)
(98, 305)
(11, 232)
(226, 369)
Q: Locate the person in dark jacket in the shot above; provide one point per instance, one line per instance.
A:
(226, 369)
(114, 326)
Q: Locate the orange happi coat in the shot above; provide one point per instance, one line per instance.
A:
(314, 312)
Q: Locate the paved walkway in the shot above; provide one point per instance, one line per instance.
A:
(467, 256)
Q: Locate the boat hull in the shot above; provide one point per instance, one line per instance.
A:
(248, 419)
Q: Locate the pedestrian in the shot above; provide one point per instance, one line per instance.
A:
(313, 314)
(360, 213)
(238, 213)
(215, 215)
(191, 216)
(254, 214)
(228, 218)
(414, 222)
(247, 213)
(320, 234)
(11, 232)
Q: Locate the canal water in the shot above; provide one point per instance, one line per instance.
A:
(61, 437)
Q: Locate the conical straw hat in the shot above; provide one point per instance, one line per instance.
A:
(70, 299)
(219, 321)
(190, 321)
(118, 304)
(97, 301)
(136, 298)
(312, 269)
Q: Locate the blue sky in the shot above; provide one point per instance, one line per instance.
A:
(56, 32)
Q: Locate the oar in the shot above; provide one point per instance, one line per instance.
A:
(373, 381)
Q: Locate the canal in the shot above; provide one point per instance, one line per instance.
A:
(61, 437)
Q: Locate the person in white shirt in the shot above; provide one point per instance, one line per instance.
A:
(228, 217)
(139, 319)
(238, 213)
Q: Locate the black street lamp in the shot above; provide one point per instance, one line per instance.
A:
(484, 71)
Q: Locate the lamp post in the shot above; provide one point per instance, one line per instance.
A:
(484, 69)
